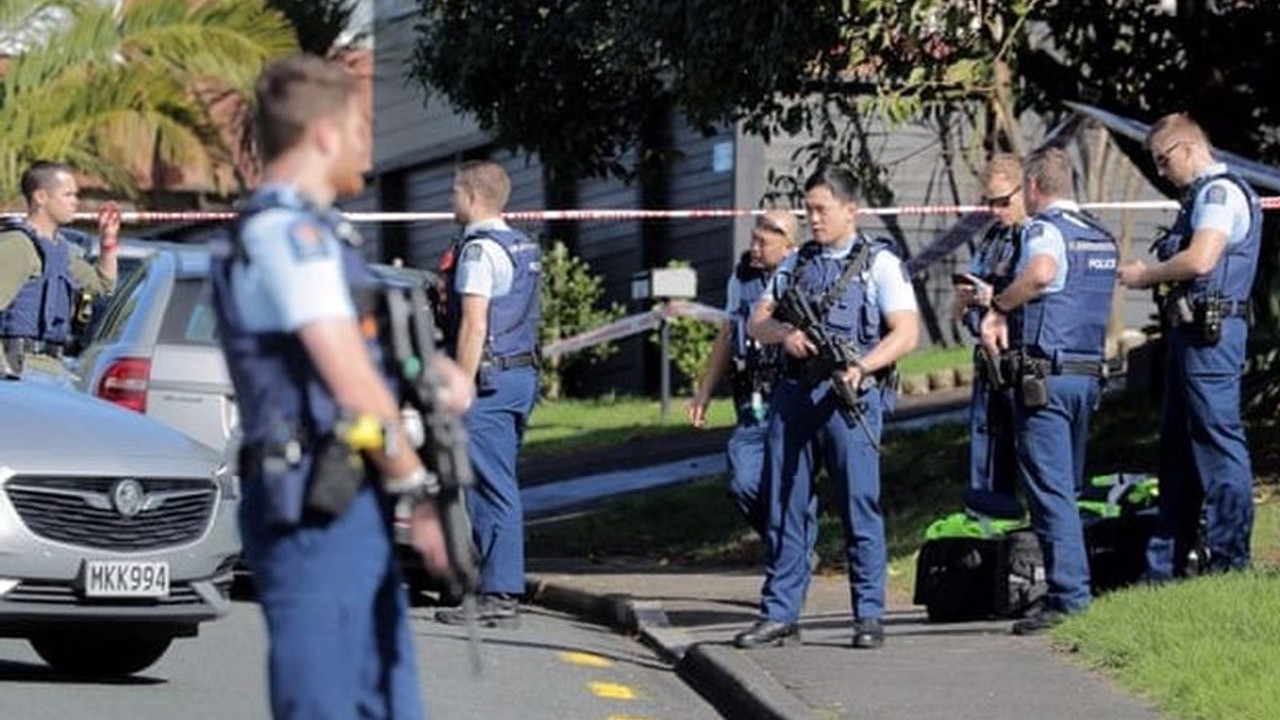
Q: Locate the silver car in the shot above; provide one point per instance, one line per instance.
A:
(153, 348)
(117, 534)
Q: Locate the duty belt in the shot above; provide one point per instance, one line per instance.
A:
(1233, 308)
(1179, 310)
(1045, 367)
(511, 362)
(31, 346)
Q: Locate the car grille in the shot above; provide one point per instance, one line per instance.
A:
(52, 593)
(80, 511)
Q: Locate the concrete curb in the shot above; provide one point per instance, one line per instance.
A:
(728, 678)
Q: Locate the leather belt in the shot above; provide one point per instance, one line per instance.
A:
(1234, 308)
(511, 362)
(1092, 368)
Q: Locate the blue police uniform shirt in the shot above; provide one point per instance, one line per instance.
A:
(733, 296)
(1043, 238)
(294, 268)
(735, 314)
(484, 269)
(886, 280)
(1221, 205)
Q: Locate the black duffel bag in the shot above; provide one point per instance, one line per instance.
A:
(975, 567)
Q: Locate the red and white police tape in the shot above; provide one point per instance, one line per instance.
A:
(146, 217)
(631, 324)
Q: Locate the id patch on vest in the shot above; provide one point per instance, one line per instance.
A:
(306, 240)
(1215, 195)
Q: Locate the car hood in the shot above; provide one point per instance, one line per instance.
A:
(49, 429)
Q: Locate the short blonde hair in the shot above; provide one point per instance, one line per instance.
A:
(487, 181)
(1004, 165)
(1177, 126)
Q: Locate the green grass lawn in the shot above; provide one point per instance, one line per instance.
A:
(564, 426)
(1205, 649)
(936, 358)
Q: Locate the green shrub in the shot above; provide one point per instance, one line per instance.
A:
(571, 298)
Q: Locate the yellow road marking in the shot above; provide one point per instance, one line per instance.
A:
(581, 658)
(612, 691)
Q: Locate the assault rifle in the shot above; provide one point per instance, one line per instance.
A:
(444, 439)
(835, 355)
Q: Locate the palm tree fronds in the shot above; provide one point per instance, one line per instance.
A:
(119, 90)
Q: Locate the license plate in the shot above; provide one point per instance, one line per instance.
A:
(122, 579)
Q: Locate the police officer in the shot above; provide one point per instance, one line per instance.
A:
(754, 368)
(1053, 319)
(991, 461)
(43, 274)
(1207, 264)
(861, 297)
(287, 303)
(492, 329)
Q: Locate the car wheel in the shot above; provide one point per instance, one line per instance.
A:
(100, 654)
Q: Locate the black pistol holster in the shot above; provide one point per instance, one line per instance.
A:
(337, 472)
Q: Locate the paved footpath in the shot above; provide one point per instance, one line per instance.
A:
(967, 671)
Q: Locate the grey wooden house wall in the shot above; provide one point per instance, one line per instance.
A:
(416, 149)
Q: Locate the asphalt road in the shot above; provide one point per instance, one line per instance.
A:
(554, 667)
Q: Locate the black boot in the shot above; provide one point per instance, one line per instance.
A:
(868, 634)
(1039, 622)
(768, 633)
(492, 611)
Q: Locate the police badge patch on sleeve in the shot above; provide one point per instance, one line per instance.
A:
(473, 253)
(306, 240)
(1215, 195)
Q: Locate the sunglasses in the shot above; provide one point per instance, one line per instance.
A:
(1001, 201)
(1162, 158)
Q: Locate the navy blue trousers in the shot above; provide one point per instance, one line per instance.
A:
(336, 613)
(495, 425)
(992, 466)
(806, 431)
(1050, 447)
(746, 453)
(1205, 462)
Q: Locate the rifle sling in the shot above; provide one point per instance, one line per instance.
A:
(853, 265)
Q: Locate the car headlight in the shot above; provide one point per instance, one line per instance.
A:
(228, 482)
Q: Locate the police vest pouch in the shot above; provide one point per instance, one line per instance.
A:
(337, 473)
(281, 469)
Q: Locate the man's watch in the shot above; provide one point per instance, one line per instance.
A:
(995, 305)
(417, 487)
